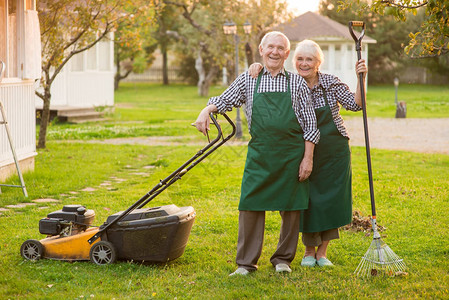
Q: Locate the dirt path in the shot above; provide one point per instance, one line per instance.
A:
(418, 135)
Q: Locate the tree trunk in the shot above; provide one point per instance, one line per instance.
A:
(211, 75)
(205, 79)
(249, 54)
(164, 65)
(116, 81)
(45, 118)
(201, 74)
(207, 82)
(117, 72)
(118, 76)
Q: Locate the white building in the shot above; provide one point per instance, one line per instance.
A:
(335, 41)
(20, 49)
(87, 80)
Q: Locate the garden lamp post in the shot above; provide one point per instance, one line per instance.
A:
(401, 108)
(230, 28)
(396, 84)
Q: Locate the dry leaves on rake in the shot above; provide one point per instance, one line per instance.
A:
(361, 223)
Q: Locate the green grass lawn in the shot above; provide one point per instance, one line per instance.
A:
(423, 101)
(157, 110)
(411, 197)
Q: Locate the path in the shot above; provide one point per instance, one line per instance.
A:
(418, 135)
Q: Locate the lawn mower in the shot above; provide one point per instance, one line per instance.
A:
(155, 235)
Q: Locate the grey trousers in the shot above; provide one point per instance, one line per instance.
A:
(251, 234)
(314, 239)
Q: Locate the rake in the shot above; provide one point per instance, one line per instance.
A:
(379, 258)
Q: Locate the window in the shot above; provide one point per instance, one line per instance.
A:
(364, 52)
(104, 56)
(325, 65)
(350, 57)
(77, 62)
(8, 36)
(338, 57)
(3, 30)
(92, 58)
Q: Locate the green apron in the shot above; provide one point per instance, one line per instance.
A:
(330, 204)
(270, 179)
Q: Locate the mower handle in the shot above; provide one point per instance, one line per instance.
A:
(173, 177)
(182, 169)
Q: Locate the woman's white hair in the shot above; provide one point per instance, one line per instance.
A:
(309, 47)
(273, 34)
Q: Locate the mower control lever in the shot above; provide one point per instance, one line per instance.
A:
(173, 177)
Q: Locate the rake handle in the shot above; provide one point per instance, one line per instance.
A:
(358, 48)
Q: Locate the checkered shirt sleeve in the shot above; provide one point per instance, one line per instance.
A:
(338, 93)
(241, 92)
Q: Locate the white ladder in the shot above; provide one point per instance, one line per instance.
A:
(8, 132)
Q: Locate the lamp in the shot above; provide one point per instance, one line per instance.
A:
(247, 27)
(396, 84)
(230, 28)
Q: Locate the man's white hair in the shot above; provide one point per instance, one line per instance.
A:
(273, 34)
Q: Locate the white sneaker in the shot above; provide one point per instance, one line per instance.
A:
(280, 268)
(240, 271)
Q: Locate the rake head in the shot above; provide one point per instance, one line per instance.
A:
(380, 259)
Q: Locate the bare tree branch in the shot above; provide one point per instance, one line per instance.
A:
(72, 53)
(188, 16)
(40, 95)
(176, 35)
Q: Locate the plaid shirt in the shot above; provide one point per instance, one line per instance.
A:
(241, 92)
(337, 93)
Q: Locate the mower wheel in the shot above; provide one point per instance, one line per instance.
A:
(32, 250)
(103, 253)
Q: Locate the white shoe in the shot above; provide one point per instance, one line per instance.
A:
(280, 268)
(240, 271)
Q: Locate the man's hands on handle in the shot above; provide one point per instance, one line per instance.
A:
(202, 123)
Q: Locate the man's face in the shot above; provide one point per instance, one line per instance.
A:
(274, 52)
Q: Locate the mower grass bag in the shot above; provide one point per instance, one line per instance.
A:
(157, 234)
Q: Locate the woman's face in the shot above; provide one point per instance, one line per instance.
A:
(306, 65)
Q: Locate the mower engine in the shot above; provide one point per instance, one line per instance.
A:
(71, 220)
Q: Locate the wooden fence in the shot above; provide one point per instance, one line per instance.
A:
(155, 75)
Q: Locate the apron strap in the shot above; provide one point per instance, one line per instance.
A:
(258, 82)
(324, 95)
(260, 76)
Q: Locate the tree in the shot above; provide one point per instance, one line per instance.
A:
(168, 21)
(387, 57)
(203, 37)
(433, 38)
(70, 27)
(133, 44)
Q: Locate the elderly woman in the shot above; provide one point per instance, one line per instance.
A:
(330, 203)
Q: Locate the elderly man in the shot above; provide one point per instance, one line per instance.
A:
(283, 130)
